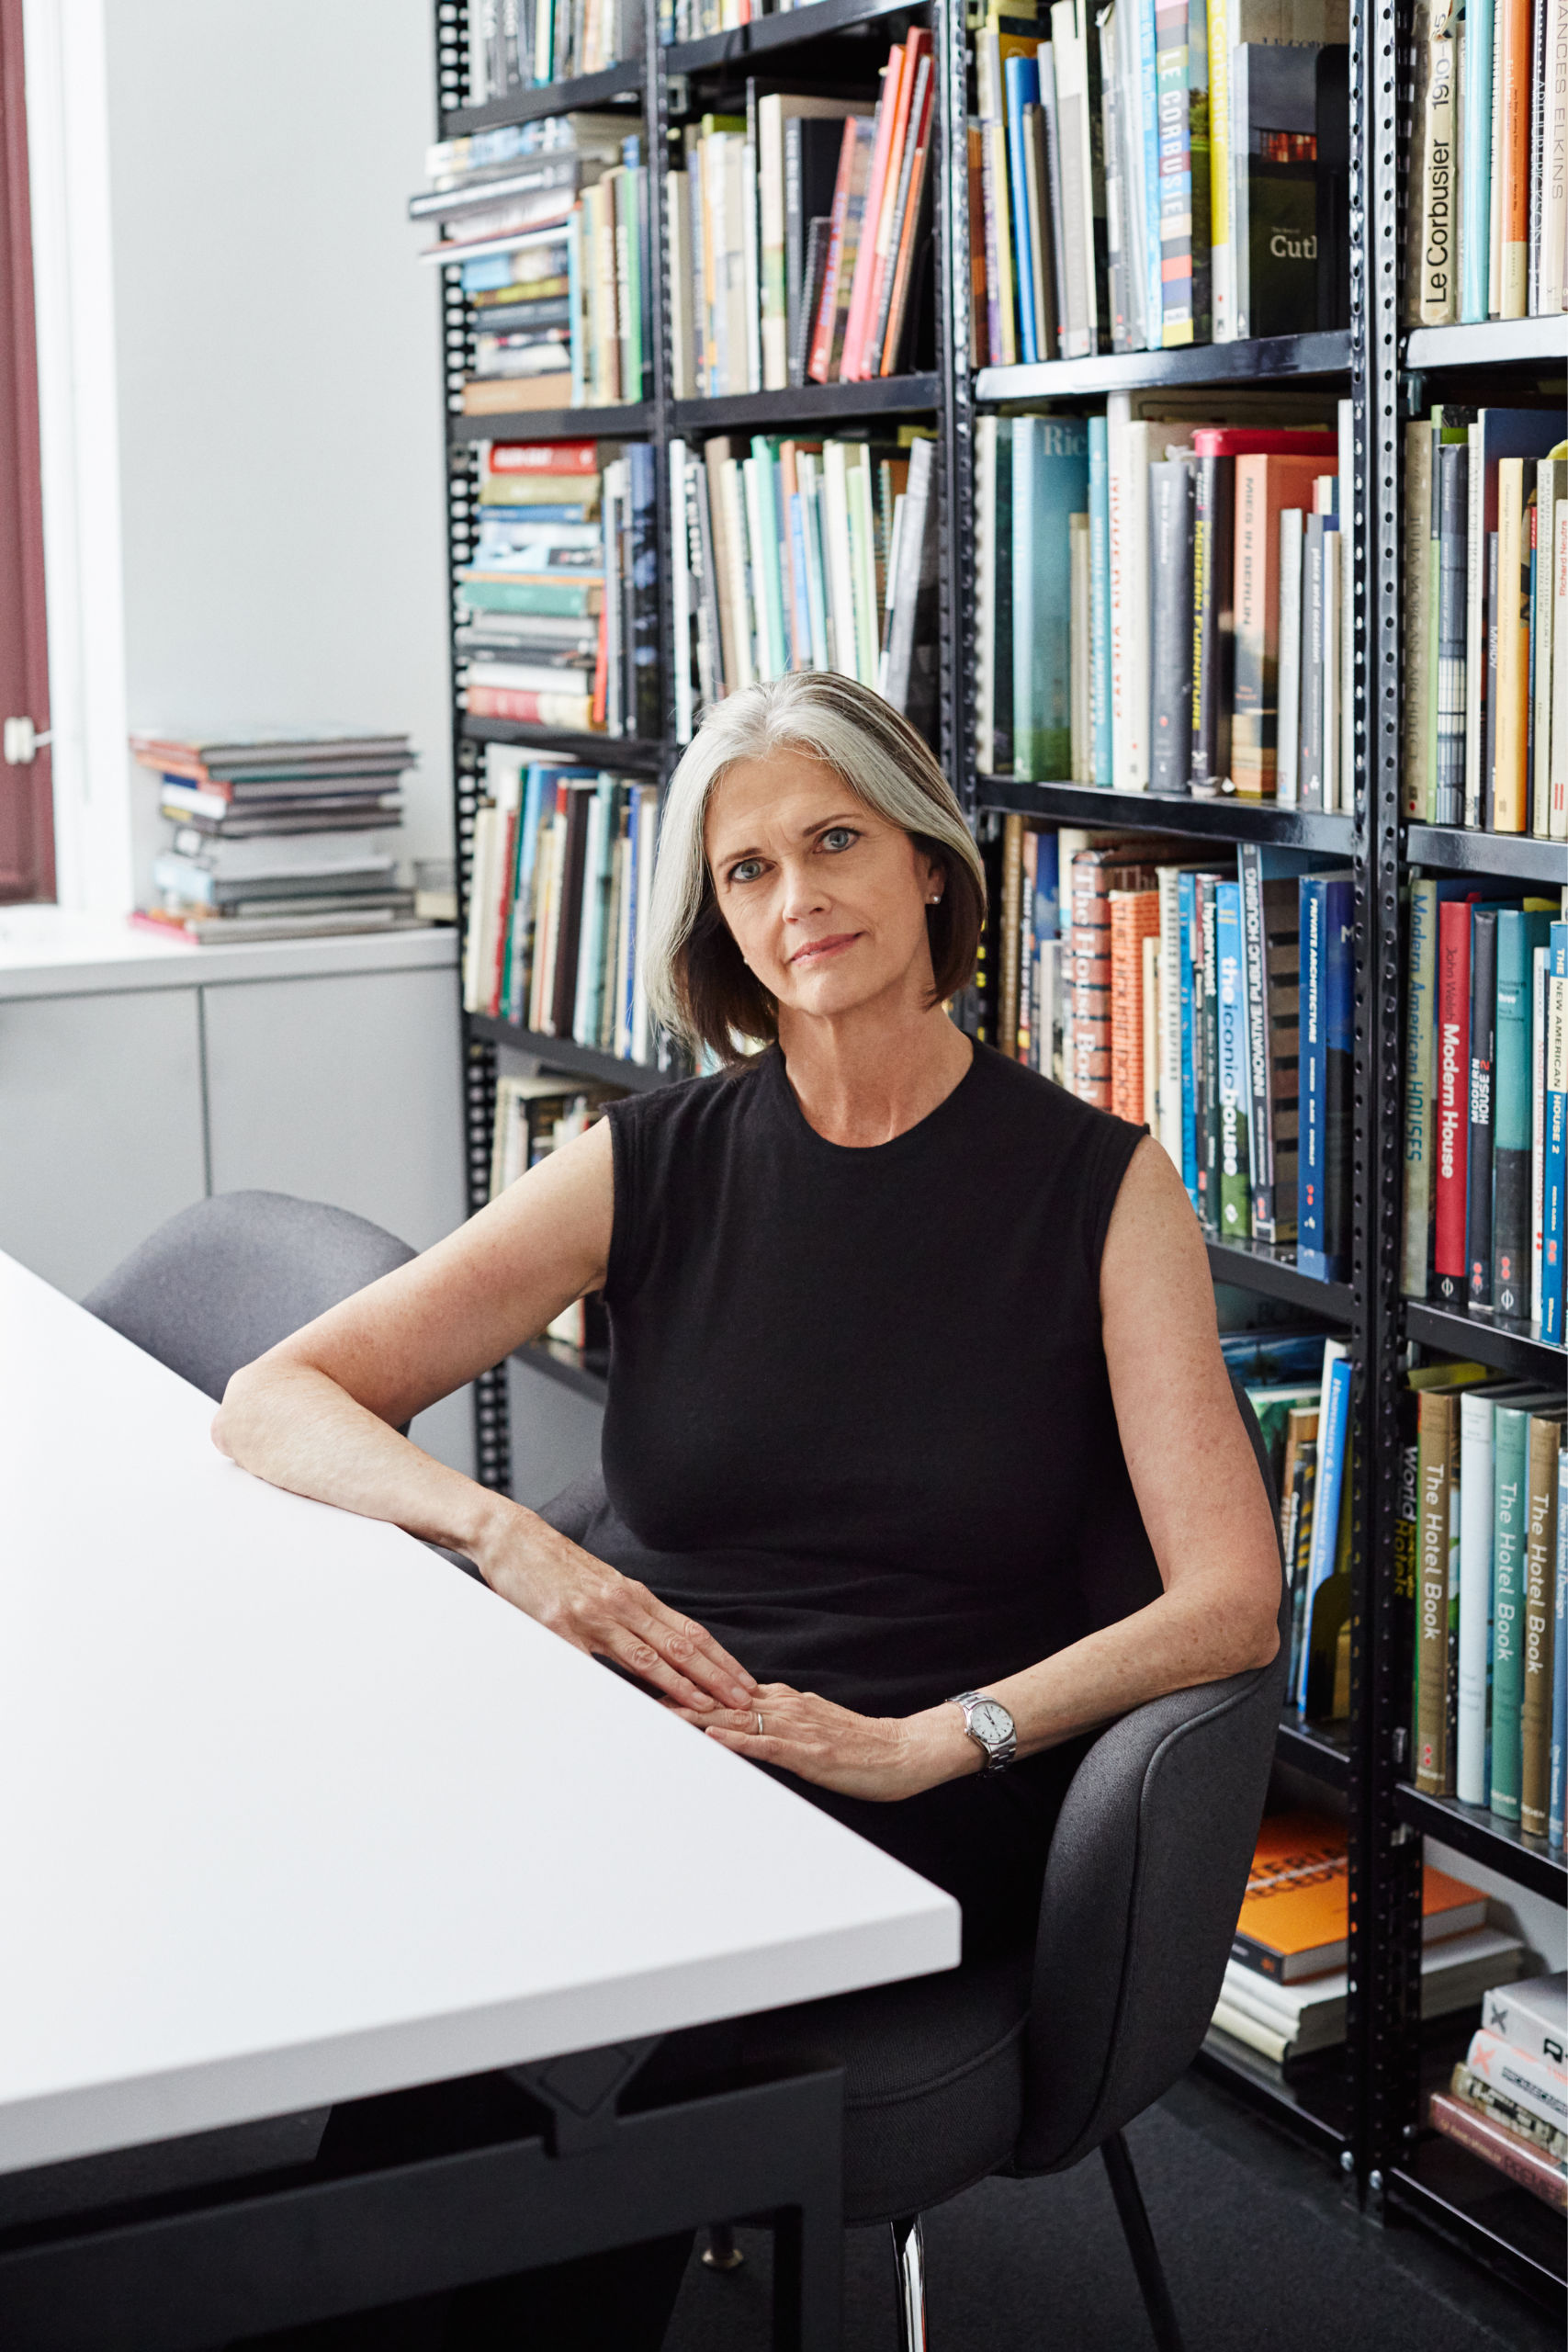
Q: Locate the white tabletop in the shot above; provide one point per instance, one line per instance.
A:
(293, 1812)
(58, 951)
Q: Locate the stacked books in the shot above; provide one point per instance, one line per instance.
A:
(1215, 1006)
(1166, 605)
(1484, 720)
(1484, 1559)
(563, 861)
(1286, 1984)
(558, 613)
(534, 1117)
(1508, 2101)
(523, 44)
(1143, 176)
(277, 837)
(549, 222)
(804, 555)
(1486, 1105)
(797, 234)
(1488, 214)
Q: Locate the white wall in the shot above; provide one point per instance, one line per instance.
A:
(279, 376)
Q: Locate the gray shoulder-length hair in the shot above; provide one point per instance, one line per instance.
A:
(697, 985)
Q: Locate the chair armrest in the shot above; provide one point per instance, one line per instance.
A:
(1148, 1868)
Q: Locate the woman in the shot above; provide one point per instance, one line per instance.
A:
(920, 1455)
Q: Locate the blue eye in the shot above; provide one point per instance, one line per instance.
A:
(747, 870)
(838, 837)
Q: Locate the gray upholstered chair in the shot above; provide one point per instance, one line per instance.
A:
(229, 1277)
(1026, 2066)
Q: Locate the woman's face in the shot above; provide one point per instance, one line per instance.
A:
(826, 899)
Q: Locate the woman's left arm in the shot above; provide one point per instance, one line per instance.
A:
(1203, 1505)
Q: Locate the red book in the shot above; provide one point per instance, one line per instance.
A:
(1238, 441)
(874, 259)
(856, 127)
(544, 457)
(571, 711)
(1451, 1067)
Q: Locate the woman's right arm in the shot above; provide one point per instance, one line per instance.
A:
(320, 1414)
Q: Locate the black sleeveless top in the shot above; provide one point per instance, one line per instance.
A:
(859, 1421)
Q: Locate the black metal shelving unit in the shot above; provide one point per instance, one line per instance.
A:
(1362, 2106)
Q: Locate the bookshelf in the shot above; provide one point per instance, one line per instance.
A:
(1361, 2106)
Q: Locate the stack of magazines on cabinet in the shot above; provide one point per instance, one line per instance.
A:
(1215, 1004)
(1482, 1553)
(798, 235)
(1166, 605)
(549, 222)
(1286, 1984)
(277, 837)
(1486, 603)
(557, 610)
(1486, 1105)
(1488, 197)
(523, 44)
(1507, 2099)
(562, 866)
(804, 555)
(1146, 175)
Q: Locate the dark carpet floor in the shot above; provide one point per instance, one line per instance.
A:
(1262, 2250)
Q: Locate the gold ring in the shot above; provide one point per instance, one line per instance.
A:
(759, 1722)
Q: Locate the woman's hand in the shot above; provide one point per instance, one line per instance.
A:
(596, 1609)
(882, 1757)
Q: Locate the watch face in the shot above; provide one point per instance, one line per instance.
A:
(991, 1721)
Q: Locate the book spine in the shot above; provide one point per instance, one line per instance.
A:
(822, 331)
(1234, 1192)
(1557, 1799)
(1013, 883)
(1509, 802)
(1479, 1153)
(1454, 501)
(1514, 301)
(1452, 1089)
(1174, 142)
(1338, 1024)
(1510, 1516)
(1100, 596)
(1540, 965)
(1420, 1030)
(1511, 1123)
(1334, 1433)
(1261, 1102)
(1475, 163)
(1434, 1751)
(1021, 84)
(1502, 2149)
(1543, 1442)
(1553, 285)
(1170, 625)
(1190, 966)
(1213, 558)
(1472, 1761)
(1311, 1236)
(1287, 778)
(1309, 758)
(1254, 743)
(1134, 916)
(1555, 1173)
(1148, 95)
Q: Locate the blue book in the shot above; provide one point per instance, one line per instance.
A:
(1099, 599)
(1047, 922)
(766, 458)
(1519, 933)
(1326, 1076)
(1475, 165)
(1234, 1201)
(1333, 1433)
(522, 900)
(1022, 77)
(1050, 482)
(802, 598)
(1148, 76)
(1554, 1223)
(1186, 911)
(1554, 1804)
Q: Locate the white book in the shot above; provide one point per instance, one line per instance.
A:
(588, 935)
(836, 557)
(807, 481)
(1551, 278)
(1069, 52)
(646, 836)
(752, 265)
(1540, 965)
(1151, 1031)
(985, 591)
(1080, 717)
(1537, 2084)
(481, 896)
(1294, 2011)
(1472, 1768)
(1560, 669)
(1539, 783)
(1332, 577)
(1132, 446)
(1533, 2017)
(761, 552)
(1168, 884)
(683, 361)
(863, 552)
(681, 591)
(1287, 791)
(1474, 627)
(1347, 498)
(739, 604)
(1145, 334)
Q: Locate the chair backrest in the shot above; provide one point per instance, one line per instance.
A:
(1148, 1865)
(229, 1277)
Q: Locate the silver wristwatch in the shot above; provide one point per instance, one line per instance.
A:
(990, 1727)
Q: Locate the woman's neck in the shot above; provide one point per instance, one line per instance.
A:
(862, 1081)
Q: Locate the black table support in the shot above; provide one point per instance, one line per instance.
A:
(183, 2274)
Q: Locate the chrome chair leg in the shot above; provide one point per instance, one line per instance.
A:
(909, 2254)
(721, 2253)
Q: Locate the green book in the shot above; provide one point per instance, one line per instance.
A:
(1509, 1476)
(568, 599)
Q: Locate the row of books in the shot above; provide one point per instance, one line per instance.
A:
(1487, 234)
(1508, 2098)
(1486, 1106)
(804, 555)
(523, 44)
(534, 1117)
(280, 837)
(548, 223)
(1298, 1383)
(1143, 176)
(700, 19)
(1165, 605)
(1484, 1546)
(562, 864)
(1284, 1995)
(558, 608)
(1216, 1007)
(1485, 604)
(797, 234)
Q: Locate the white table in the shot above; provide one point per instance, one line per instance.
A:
(294, 1813)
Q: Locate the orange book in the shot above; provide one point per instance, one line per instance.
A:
(1134, 917)
(507, 395)
(904, 266)
(892, 108)
(1514, 62)
(864, 359)
(1295, 1913)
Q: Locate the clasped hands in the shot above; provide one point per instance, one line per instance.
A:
(593, 1607)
